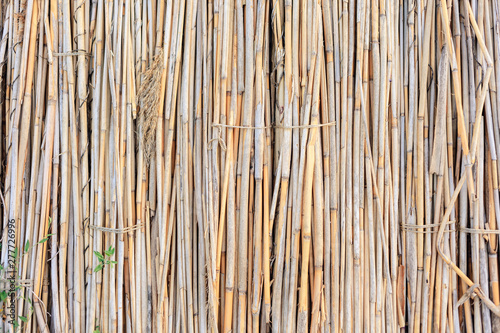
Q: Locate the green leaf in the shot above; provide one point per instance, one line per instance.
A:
(110, 251)
(16, 324)
(113, 262)
(50, 235)
(27, 246)
(15, 252)
(98, 268)
(24, 319)
(3, 295)
(99, 255)
(43, 241)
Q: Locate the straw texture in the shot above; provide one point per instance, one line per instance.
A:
(249, 166)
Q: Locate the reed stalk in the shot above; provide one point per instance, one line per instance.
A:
(250, 165)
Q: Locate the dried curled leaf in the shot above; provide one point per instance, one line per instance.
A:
(148, 100)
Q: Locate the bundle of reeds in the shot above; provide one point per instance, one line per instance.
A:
(249, 165)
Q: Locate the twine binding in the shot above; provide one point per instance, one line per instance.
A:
(478, 231)
(21, 283)
(416, 228)
(71, 54)
(332, 123)
(117, 230)
(222, 143)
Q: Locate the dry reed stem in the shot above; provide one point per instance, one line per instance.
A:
(243, 165)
